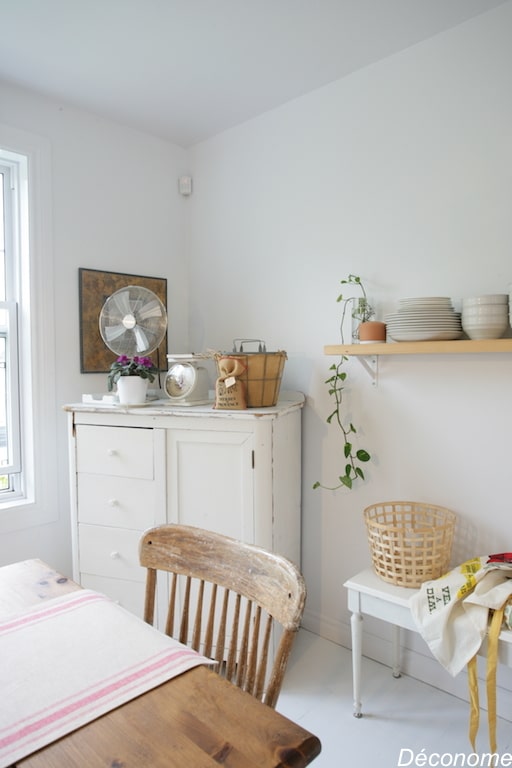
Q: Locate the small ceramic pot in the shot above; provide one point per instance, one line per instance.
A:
(132, 390)
(372, 332)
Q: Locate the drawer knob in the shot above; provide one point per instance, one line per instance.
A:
(113, 503)
(115, 555)
(111, 452)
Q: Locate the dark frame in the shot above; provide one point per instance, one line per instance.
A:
(94, 288)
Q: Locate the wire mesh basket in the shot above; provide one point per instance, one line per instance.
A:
(410, 542)
(262, 371)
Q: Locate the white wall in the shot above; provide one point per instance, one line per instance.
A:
(116, 207)
(400, 173)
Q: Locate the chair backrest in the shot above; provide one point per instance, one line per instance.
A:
(225, 598)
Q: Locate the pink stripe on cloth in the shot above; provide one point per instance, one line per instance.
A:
(49, 610)
(72, 660)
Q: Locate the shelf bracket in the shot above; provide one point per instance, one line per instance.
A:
(371, 366)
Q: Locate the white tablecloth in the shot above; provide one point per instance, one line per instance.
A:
(70, 660)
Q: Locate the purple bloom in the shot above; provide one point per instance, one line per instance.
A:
(131, 366)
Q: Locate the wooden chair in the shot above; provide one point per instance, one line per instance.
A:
(228, 599)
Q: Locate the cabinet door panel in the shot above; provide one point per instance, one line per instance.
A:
(122, 502)
(210, 481)
(120, 451)
(112, 552)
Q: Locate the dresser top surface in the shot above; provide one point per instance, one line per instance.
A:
(288, 401)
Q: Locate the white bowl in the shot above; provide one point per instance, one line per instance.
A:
(484, 330)
(490, 311)
(488, 298)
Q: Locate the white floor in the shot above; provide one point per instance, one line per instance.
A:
(401, 716)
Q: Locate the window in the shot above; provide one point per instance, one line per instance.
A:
(10, 422)
(28, 421)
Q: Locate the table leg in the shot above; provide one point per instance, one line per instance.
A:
(396, 651)
(356, 623)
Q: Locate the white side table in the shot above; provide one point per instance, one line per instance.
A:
(370, 595)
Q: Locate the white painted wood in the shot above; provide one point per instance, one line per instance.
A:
(235, 472)
(129, 594)
(368, 595)
(115, 451)
(122, 502)
(110, 552)
(210, 480)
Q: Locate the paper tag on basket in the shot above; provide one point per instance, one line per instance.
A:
(232, 399)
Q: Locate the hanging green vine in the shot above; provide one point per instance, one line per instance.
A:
(353, 457)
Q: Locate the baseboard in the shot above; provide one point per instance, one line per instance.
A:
(335, 631)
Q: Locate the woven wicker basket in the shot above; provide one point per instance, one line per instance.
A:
(262, 372)
(410, 542)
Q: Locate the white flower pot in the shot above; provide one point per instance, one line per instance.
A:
(132, 390)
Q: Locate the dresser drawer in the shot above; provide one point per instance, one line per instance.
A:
(122, 502)
(119, 451)
(111, 552)
(129, 594)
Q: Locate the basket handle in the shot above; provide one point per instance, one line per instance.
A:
(262, 347)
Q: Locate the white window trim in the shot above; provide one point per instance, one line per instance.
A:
(10, 308)
(37, 385)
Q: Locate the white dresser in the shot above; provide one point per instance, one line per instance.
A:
(236, 472)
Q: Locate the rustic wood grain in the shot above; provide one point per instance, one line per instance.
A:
(30, 582)
(260, 588)
(195, 720)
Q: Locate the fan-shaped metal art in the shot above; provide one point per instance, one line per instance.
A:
(133, 321)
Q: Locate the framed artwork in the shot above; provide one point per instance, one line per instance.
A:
(94, 288)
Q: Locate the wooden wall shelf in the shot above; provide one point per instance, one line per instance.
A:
(368, 354)
(421, 348)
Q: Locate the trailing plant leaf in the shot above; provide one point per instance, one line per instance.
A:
(336, 386)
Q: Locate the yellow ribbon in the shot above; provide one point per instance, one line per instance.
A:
(492, 663)
(474, 712)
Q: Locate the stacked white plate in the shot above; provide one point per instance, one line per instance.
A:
(486, 316)
(426, 318)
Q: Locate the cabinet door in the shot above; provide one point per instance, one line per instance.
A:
(210, 480)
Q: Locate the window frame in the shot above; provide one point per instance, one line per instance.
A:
(13, 420)
(34, 281)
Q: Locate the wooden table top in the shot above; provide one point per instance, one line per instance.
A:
(196, 720)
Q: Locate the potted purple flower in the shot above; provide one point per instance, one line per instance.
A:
(131, 375)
